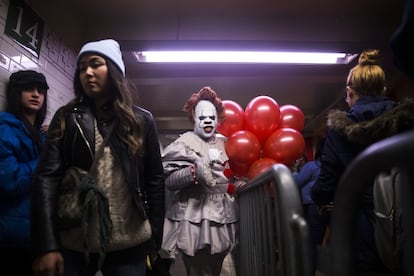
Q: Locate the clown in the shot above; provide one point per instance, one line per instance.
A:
(202, 214)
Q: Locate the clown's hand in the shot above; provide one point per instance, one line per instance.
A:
(203, 171)
(210, 169)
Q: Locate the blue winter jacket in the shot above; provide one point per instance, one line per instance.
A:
(18, 160)
(305, 179)
(337, 154)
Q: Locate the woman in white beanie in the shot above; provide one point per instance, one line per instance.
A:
(123, 205)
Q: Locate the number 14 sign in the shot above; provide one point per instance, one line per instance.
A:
(24, 25)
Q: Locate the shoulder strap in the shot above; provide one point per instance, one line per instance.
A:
(101, 148)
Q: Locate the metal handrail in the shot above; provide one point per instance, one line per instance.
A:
(274, 238)
(397, 151)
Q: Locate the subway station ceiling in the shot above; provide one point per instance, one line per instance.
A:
(342, 25)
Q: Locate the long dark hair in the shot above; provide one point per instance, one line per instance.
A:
(15, 107)
(129, 129)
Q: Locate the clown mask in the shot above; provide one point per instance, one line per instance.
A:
(205, 119)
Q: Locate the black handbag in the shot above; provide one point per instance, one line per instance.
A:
(69, 211)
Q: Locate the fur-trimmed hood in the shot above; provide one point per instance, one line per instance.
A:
(397, 120)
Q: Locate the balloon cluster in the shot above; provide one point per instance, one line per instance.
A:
(261, 135)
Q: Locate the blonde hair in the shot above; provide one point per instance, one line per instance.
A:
(367, 78)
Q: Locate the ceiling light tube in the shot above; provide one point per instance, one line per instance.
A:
(243, 57)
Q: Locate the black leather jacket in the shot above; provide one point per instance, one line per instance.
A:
(77, 148)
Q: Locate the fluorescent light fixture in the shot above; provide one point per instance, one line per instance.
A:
(243, 57)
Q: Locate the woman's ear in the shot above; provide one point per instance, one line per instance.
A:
(352, 97)
(351, 93)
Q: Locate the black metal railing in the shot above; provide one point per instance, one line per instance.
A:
(274, 237)
(394, 152)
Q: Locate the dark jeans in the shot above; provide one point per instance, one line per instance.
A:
(317, 224)
(120, 263)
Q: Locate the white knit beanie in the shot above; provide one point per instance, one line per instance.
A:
(106, 47)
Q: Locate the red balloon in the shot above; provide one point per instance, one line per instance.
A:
(243, 147)
(291, 117)
(233, 118)
(238, 169)
(260, 166)
(284, 145)
(262, 117)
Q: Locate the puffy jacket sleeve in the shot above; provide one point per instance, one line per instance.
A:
(337, 154)
(44, 189)
(18, 160)
(304, 175)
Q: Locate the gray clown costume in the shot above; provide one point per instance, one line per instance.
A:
(198, 216)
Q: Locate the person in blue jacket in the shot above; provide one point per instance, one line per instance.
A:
(305, 178)
(370, 118)
(21, 140)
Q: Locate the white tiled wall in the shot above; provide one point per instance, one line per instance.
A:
(55, 61)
